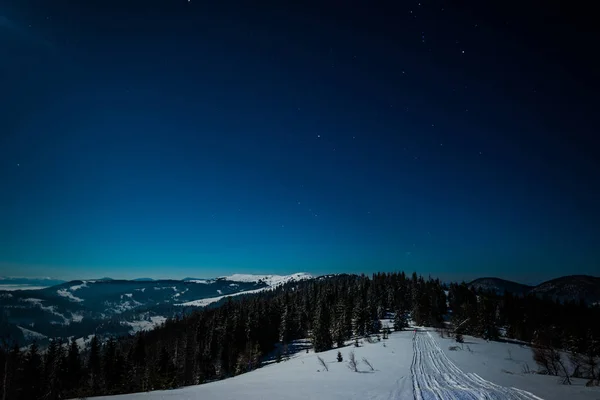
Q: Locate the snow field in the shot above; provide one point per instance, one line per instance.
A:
(503, 364)
(409, 366)
(303, 377)
(436, 377)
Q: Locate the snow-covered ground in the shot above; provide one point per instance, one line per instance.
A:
(210, 300)
(69, 295)
(408, 366)
(29, 334)
(504, 363)
(435, 376)
(144, 325)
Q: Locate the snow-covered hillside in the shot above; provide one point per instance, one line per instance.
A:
(408, 366)
(270, 280)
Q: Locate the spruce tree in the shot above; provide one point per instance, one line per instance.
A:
(31, 378)
(400, 320)
(73, 369)
(94, 367)
(321, 333)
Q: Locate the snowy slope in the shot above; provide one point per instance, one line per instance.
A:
(271, 280)
(210, 300)
(503, 364)
(303, 377)
(410, 366)
(435, 376)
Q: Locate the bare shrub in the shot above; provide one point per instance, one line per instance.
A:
(549, 359)
(352, 364)
(525, 369)
(323, 363)
(368, 363)
(585, 365)
(509, 355)
(453, 348)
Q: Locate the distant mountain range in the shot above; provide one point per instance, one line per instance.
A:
(566, 288)
(42, 308)
(10, 283)
(113, 307)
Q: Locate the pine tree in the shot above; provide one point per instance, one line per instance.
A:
(94, 367)
(360, 319)
(109, 356)
(73, 369)
(321, 334)
(165, 369)
(31, 378)
(400, 320)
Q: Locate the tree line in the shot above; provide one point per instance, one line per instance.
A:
(244, 331)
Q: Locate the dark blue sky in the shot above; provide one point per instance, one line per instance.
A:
(174, 138)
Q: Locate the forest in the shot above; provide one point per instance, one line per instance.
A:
(246, 331)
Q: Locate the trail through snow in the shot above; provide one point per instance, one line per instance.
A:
(436, 377)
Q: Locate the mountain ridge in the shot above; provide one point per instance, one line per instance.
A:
(564, 288)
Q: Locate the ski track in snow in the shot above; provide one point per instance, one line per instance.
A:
(436, 377)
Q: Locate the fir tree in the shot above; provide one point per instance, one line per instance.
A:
(321, 334)
(400, 320)
(73, 368)
(31, 378)
(94, 366)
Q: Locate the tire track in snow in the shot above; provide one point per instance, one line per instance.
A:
(436, 377)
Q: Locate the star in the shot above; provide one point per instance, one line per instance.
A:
(318, 136)
(18, 165)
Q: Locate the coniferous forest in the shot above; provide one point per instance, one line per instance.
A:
(240, 334)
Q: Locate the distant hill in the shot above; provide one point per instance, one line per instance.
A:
(566, 288)
(572, 287)
(500, 285)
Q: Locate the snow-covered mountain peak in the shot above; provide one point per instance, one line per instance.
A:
(270, 280)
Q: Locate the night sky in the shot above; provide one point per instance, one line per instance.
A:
(173, 138)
